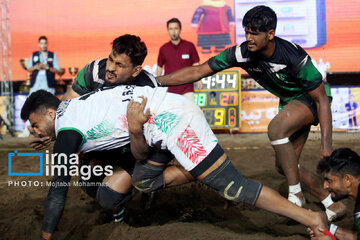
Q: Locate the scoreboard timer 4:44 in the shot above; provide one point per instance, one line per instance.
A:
(220, 99)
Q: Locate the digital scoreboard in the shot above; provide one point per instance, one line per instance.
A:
(220, 99)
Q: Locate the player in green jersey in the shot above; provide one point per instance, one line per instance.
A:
(286, 70)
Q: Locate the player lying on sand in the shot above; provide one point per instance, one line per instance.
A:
(341, 173)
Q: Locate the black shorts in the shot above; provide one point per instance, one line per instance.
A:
(160, 156)
(310, 103)
(118, 157)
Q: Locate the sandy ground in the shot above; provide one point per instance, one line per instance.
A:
(191, 211)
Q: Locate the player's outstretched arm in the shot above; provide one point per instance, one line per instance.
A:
(136, 119)
(324, 113)
(272, 201)
(186, 75)
(67, 142)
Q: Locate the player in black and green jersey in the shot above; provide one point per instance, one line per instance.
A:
(341, 173)
(124, 72)
(286, 70)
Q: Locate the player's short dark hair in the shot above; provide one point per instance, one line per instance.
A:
(132, 46)
(173, 20)
(260, 18)
(40, 99)
(341, 161)
(42, 37)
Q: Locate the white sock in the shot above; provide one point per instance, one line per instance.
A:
(327, 202)
(295, 188)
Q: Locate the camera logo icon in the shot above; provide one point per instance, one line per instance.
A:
(18, 155)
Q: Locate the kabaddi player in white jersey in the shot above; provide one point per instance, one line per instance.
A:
(98, 121)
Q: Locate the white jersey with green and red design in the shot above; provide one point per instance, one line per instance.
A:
(288, 73)
(176, 124)
(100, 116)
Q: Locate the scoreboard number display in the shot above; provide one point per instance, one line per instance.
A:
(220, 99)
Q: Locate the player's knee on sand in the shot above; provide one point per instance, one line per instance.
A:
(148, 177)
(110, 199)
(230, 184)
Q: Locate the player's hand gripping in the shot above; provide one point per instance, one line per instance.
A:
(135, 114)
(318, 229)
(37, 142)
(319, 237)
(325, 151)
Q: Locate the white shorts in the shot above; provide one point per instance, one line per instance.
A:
(179, 126)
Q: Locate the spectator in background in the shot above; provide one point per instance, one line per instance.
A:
(351, 107)
(43, 65)
(176, 54)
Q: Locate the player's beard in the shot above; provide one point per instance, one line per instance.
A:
(338, 196)
(50, 130)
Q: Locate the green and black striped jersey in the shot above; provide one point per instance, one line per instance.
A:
(288, 73)
(92, 77)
